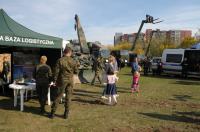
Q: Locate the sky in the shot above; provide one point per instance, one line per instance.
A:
(101, 19)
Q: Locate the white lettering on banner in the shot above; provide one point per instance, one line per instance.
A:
(1, 38)
(7, 38)
(16, 39)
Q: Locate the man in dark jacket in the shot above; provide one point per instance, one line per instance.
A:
(145, 66)
(63, 77)
(184, 65)
(159, 67)
(43, 78)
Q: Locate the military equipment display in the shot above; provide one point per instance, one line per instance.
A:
(99, 50)
(83, 59)
(81, 36)
(85, 52)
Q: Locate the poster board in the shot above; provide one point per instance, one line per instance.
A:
(24, 65)
(1, 64)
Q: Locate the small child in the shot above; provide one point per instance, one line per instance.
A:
(136, 75)
(111, 88)
(109, 68)
(135, 84)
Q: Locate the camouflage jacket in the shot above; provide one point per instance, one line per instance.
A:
(97, 65)
(64, 70)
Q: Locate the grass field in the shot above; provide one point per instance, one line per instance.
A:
(164, 104)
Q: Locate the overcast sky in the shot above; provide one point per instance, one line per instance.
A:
(102, 18)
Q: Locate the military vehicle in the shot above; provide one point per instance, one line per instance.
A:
(85, 52)
(99, 50)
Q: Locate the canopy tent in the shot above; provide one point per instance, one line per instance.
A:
(14, 34)
(196, 46)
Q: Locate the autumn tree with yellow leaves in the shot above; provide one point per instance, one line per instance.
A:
(156, 47)
(127, 46)
(188, 42)
(121, 46)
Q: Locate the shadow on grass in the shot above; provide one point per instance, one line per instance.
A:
(85, 95)
(84, 101)
(96, 86)
(127, 74)
(192, 113)
(187, 82)
(187, 117)
(123, 91)
(119, 89)
(181, 97)
(7, 104)
(160, 76)
(163, 76)
(179, 81)
(80, 94)
(85, 91)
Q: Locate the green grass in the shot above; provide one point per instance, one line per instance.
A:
(164, 104)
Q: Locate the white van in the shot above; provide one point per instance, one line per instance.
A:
(171, 60)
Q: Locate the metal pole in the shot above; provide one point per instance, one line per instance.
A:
(147, 51)
(137, 35)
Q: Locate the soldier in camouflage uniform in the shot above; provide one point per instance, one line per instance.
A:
(43, 78)
(97, 67)
(63, 77)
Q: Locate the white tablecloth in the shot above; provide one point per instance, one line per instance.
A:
(29, 86)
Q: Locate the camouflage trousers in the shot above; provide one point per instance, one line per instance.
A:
(97, 75)
(67, 89)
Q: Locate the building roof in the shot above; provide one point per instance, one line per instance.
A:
(14, 34)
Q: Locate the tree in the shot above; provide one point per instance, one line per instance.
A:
(121, 46)
(188, 42)
(139, 49)
(157, 47)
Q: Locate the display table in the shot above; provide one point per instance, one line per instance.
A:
(21, 89)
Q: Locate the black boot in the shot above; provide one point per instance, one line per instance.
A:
(42, 111)
(51, 115)
(66, 114)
